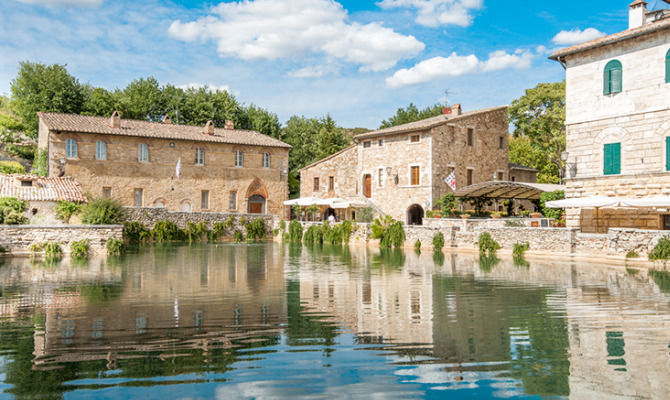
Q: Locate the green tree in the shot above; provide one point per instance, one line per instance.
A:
(99, 101)
(9, 122)
(263, 121)
(142, 99)
(522, 151)
(539, 115)
(49, 88)
(411, 113)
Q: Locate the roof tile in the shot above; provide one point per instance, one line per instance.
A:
(43, 189)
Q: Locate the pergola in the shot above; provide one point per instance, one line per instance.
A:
(507, 190)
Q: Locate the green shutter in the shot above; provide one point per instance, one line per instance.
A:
(612, 77)
(612, 159)
(667, 67)
(667, 153)
(606, 81)
(616, 80)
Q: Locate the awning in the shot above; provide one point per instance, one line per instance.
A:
(587, 202)
(661, 202)
(333, 202)
(507, 190)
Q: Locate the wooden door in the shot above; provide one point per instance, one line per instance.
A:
(255, 208)
(367, 186)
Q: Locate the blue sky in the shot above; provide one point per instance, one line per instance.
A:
(357, 60)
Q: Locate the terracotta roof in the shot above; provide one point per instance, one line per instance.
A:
(425, 123)
(614, 38)
(130, 127)
(521, 167)
(43, 189)
(327, 158)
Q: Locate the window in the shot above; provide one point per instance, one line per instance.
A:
(367, 144)
(199, 156)
(138, 197)
(100, 150)
(500, 176)
(26, 183)
(380, 177)
(140, 325)
(106, 191)
(204, 199)
(143, 153)
(331, 183)
(612, 159)
(612, 77)
(415, 175)
(667, 153)
(381, 142)
(471, 137)
(233, 200)
(98, 330)
(239, 159)
(470, 178)
(316, 184)
(667, 67)
(266, 160)
(414, 139)
(71, 148)
(501, 142)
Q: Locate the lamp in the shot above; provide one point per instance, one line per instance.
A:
(564, 155)
(388, 171)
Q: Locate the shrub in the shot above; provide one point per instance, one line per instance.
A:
(102, 211)
(389, 232)
(11, 211)
(11, 167)
(115, 247)
(519, 249)
(255, 229)
(364, 214)
(230, 222)
(165, 231)
(487, 246)
(243, 221)
(14, 218)
(295, 231)
(417, 245)
(430, 214)
(52, 250)
(2, 249)
(554, 213)
(238, 236)
(79, 248)
(312, 211)
(514, 224)
(35, 247)
(282, 225)
(332, 235)
(218, 231)
(66, 209)
(662, 250)
(25, 152)
(195, 232)
(662, 279)
(347, 228)
(488, 262)
(447, 204)
(40, 166)
(632, 254)
(438, 241)
(313, 235)
(135, 232)
(275, 232)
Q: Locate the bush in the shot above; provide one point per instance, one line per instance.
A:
(313, 235)
(52, 250)
(25, 152)
(40, 164)
(14, 218)
(347, 229)
(662, 279)
(389, 232)
(230, 222)
(2, 249)
(514, 224)
(115, 247)
(255, 229)
(364, 214)
(238, 236)
(218, 231)
(66, 209)
(282, 225)
(135, 232)
(11, 211)
(195, 232)
(11, 167)
(35, 247)
(554, 213)
(438, 241)
(79, 248)
(662, 250)
(632, 254)
(332, 235)
(295, 231)
(447, 204)
(487, 246)
(102, 211)
(519, 249)
(417, 245)
(165, 231)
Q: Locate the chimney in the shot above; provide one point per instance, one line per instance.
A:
(115, 120)
(637, 14)
(209, 128)
(229, 125)
(456, 109)
(166, 119)
(446, 110)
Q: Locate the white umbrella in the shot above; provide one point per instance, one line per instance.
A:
(586, 202)
(661, 201)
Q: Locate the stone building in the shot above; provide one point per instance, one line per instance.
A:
(179, 167)
(618, 120)
(400, 171)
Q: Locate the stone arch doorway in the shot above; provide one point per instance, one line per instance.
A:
(256, 204)
(160, 203)
(185, 206)
(415, 215)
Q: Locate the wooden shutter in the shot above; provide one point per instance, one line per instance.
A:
(667, 153)
(415, 176)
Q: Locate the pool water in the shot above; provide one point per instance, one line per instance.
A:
(270, 320)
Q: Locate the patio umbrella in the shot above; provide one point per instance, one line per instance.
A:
(588, 202)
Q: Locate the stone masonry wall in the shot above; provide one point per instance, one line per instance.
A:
(18, 238)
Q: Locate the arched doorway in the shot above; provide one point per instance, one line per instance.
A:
(160, 203)
(415, 215)
(256, 204)
(186, 206)
(367, 185)
(329, 211)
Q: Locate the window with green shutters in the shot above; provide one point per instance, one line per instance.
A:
(612, 77)
(612, 157)
(667, 67)
(667, 153)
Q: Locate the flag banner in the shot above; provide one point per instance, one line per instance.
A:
(451, 180)
(178, 172)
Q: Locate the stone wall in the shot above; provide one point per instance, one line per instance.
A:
(18, 238)
(148, 216)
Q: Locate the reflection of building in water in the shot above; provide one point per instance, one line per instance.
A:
(388, 303)
(171, 299)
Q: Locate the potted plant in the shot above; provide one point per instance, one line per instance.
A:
(465, 216)
(496, 215)
(536, 215)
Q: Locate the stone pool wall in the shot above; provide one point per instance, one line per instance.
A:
(18, 238)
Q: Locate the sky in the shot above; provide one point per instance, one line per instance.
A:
(356, 60)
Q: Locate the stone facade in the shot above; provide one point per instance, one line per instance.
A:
(122, 175)
(18, 238)
(475, 141)
(638, 118)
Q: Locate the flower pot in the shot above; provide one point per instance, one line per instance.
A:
(465, 216)
(494, 216)
(536, 215)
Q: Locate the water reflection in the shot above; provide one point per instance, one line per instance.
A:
(283, 321)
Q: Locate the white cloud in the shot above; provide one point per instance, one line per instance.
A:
(455, 65)
(75, 3)
(313, 72)
(434, 13)
(574, 36)
(212, 88)
(272, 29)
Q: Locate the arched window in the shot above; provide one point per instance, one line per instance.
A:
(667, 67)
(71, 148)
(612, 77)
